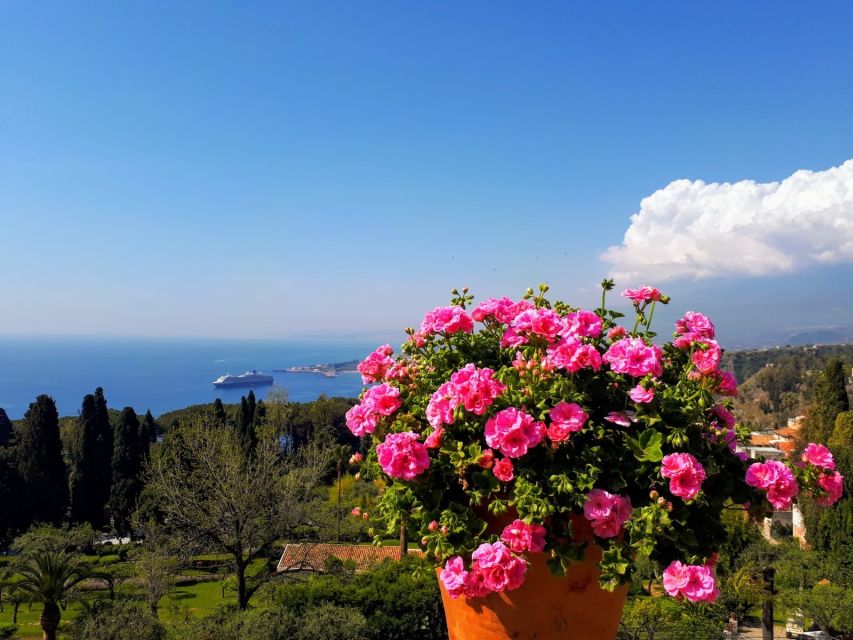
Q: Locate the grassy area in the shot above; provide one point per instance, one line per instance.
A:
(186, 602)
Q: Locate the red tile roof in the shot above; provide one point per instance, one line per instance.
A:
(313, 557)
(761, 440)
(788, 432)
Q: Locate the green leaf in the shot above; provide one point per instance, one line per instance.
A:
(647, 448)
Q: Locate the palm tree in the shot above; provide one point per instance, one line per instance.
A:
(52, 578)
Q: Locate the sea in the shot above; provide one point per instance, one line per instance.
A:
(161, 375)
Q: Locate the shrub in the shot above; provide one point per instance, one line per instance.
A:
(123, 621)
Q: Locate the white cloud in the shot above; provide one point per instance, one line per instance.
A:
(690, 229)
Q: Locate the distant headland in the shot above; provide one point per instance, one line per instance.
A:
(329, 370)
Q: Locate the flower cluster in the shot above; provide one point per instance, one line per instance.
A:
(494, 568)
(378, 401)
(473, 388)
(521, 537)
(548, 417)
(513, 432)
(776, 479)
(694, 582)
(607, 512)
(402, 456)
(685, 474)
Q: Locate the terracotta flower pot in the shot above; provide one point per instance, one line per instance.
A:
(545, 607)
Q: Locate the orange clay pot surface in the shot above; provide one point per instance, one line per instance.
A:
(545, 607)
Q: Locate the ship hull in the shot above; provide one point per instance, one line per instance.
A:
(243, 383)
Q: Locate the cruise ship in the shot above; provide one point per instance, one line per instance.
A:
(248, 379)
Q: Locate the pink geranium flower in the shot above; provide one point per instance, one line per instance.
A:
(375, 367)
(614, 333)
(520, 537)
(819, 456)
(634, 357)
(501, 570)
(622, 418)
(707, 356)
(566, 419)
(503, 470)
(513, 432)
(492, 308)
(833, 484)
(642, 395)
(607, 512)
(475, 389)
(685, 474)
(541, 322)
(361, 420)
(573, 355)
(727, 384)
(696, 325)
(642, 294)
(447, 320)
(440, 407)
(384, 399)
(776, 479)
(434, 439)
(402, 456)
(582, 324)
(454, 576)
(694, 582)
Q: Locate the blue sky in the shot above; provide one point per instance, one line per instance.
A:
(286, 169)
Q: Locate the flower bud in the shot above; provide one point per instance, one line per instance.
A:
(424, 541)
(661, 501)
(653, 494)
(356, 512)
(444, 531)
(433, 526)
(356, 458)
(365, 515)
(487, 459)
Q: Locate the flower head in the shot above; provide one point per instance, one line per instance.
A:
(634, 357)
(513, 432)
(694, 582)
(833, 484)
(685, 474)
(402, 456)
(375, 367)
(521, 537)
(607, 512)
(566, 419)
(776, 479)
(819, 456)
(642, 294)
(447, 320)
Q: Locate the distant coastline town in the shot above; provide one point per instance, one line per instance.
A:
(329, 370)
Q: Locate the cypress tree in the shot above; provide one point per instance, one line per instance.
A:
(829, 398)
(245, 422)
(147, 434)
(127, 463)
(8, 496)
(104, 447)
(260, 414)
(87, 503)
(41, 470)
(219, 414)
(5, 429)
(252, 406)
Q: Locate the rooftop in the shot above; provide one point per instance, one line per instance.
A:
(313, 557)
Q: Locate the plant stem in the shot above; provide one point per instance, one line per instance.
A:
(651, 314)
